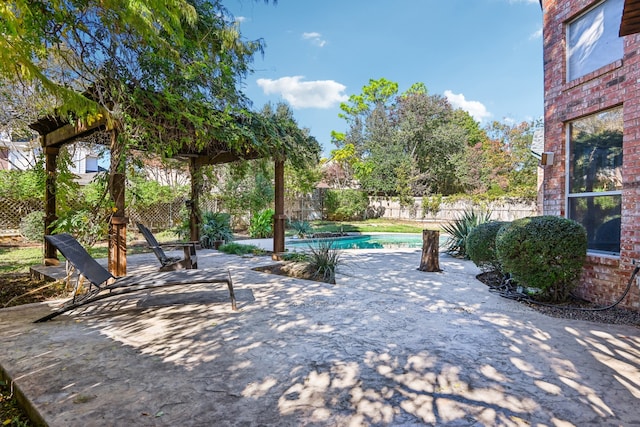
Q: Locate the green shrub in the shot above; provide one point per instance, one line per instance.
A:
(216, 226)
(240, 249)
(32, 226)
(86, 225)
(295, 256)
(431, 204)
(458, 231)
(481, 245)
(544, 252)
(262, 224)
(344, 205)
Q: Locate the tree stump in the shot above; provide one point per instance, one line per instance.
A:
(430, 251)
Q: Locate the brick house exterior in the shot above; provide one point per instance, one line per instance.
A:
(602, 188)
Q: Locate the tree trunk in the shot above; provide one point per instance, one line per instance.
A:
(430, 256)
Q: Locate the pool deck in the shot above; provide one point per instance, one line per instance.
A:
(386, 345)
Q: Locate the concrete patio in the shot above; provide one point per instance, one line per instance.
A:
(387, 345)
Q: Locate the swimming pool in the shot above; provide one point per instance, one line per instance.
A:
(364, 241)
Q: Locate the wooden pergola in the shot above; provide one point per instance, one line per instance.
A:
(55, 133)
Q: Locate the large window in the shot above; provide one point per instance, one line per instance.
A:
(595, 178)
(592, 39)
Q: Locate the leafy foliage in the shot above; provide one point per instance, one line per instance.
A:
(235, 248)
(262, 224)
(32, 226)
(458, 230)
(416, 144)
(295, 256)
(346, 204)
(84, 224)
(544, 252)
(246, 186)
(481, 245)
(22, 185)
(216, 226)
(143, 192)
(402, 145)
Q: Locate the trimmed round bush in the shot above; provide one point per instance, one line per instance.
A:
(543, 252)
(32, 226)
(481, 245)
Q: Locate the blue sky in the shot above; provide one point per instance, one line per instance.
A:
(485, 56)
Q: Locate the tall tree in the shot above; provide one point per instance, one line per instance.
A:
(511, 145)
(412, 143)
(165, 72)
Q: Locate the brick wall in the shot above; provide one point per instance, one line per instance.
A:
(604, 278)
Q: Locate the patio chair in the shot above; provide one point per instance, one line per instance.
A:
(103, 284)
(170, 263)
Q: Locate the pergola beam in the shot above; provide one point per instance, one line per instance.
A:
(55, 133)
(69, 132)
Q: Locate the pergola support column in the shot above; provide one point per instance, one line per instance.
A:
(118, 224)
(193, 205)
(50, 216)
(279, 217)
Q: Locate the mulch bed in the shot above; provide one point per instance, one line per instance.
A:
(20, 288)
(575, 308)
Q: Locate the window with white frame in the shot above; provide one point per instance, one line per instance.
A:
(592, 39)
(594, 178)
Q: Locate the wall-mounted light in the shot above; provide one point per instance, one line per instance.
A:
(546, 159)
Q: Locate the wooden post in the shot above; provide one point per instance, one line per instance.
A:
(51, 166)
(194, 203)
(118, 226)
(279, 217)
(430, 251)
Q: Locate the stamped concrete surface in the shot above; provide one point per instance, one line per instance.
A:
(387, 345)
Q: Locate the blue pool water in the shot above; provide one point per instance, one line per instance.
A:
(365, 241)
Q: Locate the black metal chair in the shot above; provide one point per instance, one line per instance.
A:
(190, 260)
(103, 284)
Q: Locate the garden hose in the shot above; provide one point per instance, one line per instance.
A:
(505, 290)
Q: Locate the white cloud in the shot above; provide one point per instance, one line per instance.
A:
(300, 94)
(525, 1)
(314, 38)
(536, 35)
(476, 109)
(240, 19)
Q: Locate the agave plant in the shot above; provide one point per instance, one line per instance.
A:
(459, 230)
(323, 260)
(301, 228)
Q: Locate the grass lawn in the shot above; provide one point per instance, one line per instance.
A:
(368, 226)
(19, 259)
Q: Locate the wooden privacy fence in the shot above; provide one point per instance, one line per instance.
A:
(308, 209)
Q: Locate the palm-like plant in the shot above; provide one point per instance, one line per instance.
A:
(458, 231)
(323, 260)
(216, 227)
(301, 228)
